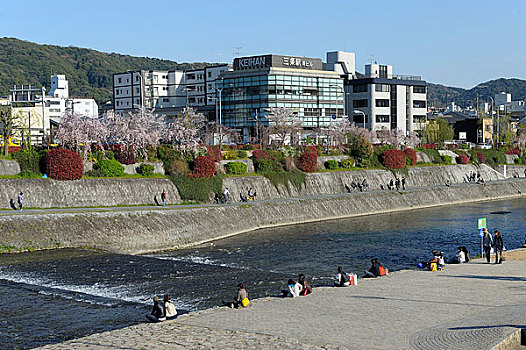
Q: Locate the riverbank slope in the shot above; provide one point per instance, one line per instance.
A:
(147, 230)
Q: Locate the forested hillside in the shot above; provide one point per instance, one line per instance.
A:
(89, 72)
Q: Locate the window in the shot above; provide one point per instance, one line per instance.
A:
(190, 76)
(419, 119)
(419, 89)
(382, 118)
(419, 104)
(360, 103)
(199, 88)
(191, 100)
(383, 72)
(358, 118)
(333, 111)
(164, 77)
(488, 127)
(381, 88)
(165, 100)
(382, 102)
(165, 88)
(119, 80)
(199, 76)
(311, 112)
(136, 78)
(210, 74)
(359, 88)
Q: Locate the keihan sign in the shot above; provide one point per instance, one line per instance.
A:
(267, 61)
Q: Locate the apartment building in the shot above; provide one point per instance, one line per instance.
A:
(383, 101)
(167, 92)
(149, 89)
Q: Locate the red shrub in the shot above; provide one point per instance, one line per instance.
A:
(214, 153)
(12, 149)
(311, 149)
(429, 146)
(480, 158)
(203, 166)
(411, 156)
(63, 164)
(126, 157)
(393, 159)
(513, 151)
(308, 162)
(463, 159)
(260, 154)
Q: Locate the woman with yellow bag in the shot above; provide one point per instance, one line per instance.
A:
(242, 298)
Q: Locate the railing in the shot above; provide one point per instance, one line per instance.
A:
(407, 77)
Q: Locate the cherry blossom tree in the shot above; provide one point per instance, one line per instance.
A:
(284, 123)
(79, 133)
(338, 132)
(184, 130)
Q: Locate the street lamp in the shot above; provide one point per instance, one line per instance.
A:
(357, 111)
(343, 94)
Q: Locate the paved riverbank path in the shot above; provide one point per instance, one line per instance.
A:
(470, 306)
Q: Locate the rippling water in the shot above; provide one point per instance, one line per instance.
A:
(50, 296)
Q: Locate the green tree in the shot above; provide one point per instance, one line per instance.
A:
(439, 130)
(8, 123)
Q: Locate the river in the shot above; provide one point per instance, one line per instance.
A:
(51, 296)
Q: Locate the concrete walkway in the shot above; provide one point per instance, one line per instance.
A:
(470, 306)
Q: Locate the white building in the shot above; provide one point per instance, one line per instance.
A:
(502, 99)
(387, 101)
(59, 102)
(167, 92)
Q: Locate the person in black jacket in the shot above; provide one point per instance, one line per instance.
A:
(157, 314)
(498, 246)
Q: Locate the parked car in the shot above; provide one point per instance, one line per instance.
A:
(484, 146)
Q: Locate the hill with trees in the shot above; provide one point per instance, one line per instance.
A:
(89, 72)
(440, 95)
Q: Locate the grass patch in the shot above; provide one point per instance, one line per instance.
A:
(285, 178)
(197, 189)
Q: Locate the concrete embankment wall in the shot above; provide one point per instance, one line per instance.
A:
(47, 193)
(151, 230)
(334, 182)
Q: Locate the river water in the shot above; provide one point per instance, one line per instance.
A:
(51, 296)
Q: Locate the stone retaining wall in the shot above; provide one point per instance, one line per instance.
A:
(9, 167)
(47, 193)
(145, 231)
(334, 182)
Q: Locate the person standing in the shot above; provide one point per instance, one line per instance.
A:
(20, 201)
(498, 246)
(226, 195)
(487, 242)
(403, 183)
(163, 198)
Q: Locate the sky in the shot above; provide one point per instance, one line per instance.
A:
(456, 43)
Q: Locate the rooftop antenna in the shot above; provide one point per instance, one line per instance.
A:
(371, 59)
(236, 51)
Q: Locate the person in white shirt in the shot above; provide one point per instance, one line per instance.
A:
(461, 256)
(342, 280)
(293, 289)
(169, 308)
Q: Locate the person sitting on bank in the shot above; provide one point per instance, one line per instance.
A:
(373, 270)
(466, 254)
(293, 289)
(157, 314)
(433, 263)
(460, 258)
(342, 279)
(169, 308)
(242, 197)
(241, 299)
(441, 260)
(306, 288)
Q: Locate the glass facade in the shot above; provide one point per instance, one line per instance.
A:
(315, 99)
